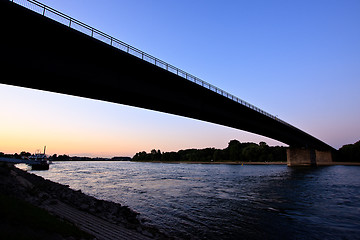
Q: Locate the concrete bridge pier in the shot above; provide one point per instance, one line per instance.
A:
(297, 157)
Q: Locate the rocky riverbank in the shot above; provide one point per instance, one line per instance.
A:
(102, 219)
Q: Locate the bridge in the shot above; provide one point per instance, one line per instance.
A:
(44, 49)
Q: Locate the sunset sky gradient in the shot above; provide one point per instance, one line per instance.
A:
(298, 60)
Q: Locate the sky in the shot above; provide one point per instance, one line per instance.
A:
(298, 60)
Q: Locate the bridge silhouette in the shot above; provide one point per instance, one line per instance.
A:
(45, 49)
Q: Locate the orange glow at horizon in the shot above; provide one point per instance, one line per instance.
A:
(84, 127)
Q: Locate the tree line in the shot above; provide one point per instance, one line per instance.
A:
(64, 157)
(235, 151)
(21, 155)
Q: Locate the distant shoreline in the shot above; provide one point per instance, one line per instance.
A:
(215, 162)
(346, 163)
(246, 163)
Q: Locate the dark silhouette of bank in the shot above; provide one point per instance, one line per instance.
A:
(32, 207)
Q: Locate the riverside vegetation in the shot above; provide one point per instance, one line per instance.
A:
(349, 153)
(240, 152)
(234, 152)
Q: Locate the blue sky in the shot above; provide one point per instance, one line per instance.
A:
(299, 60)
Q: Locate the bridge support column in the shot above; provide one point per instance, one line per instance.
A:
(308, 157)
(300, 157)
(323, 158)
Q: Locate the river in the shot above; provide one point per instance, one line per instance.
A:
(219, 201)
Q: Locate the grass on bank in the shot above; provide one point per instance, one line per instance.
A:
(21, 220)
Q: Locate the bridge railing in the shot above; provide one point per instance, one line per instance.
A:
(93, 32)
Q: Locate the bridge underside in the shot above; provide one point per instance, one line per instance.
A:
(39, 53)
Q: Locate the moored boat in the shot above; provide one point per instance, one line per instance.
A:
(39, 161)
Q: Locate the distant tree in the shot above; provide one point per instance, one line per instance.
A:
(218, 155)
(121, 159)
(263, 145)
(140, 156)
(24, 154)
(279, 154)
(170, 156)
(349, 153)
(204, 155)
(264, 152)
(234, 150)
(251, 152)
(63, 157)
(153, 152)
(155, 155)
(187, 155)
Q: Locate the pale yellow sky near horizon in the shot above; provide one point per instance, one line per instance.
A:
(78, 126)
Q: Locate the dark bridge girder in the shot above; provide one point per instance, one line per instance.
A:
(39, 53)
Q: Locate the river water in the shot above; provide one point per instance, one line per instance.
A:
(208, 201)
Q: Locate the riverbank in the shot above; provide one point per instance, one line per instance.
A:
(86, 216)
(346, 163)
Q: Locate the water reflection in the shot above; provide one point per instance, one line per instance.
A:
(23, 166)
